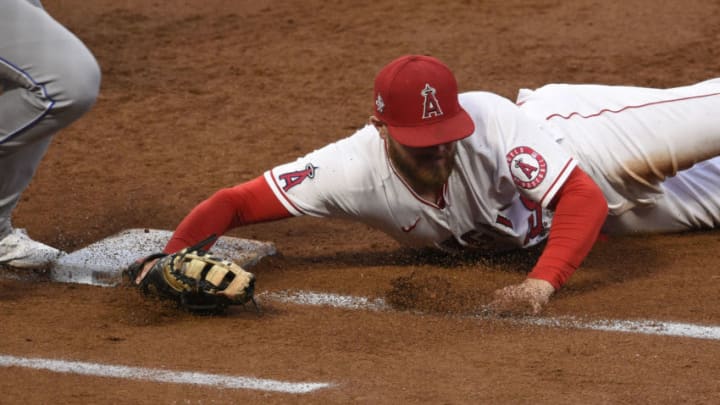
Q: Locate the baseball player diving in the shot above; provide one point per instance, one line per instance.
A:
(48, 79)
(476, 171)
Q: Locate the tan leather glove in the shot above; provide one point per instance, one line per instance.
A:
(195, 279)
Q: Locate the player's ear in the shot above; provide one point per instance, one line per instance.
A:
(379, 125)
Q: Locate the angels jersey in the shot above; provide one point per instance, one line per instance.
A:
(506, 174)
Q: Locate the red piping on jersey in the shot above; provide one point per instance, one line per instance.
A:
(605, 110)
(282, 193)
(407, 229)
(556, 180)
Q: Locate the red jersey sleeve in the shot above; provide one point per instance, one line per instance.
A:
(229, 208)
(580, 211)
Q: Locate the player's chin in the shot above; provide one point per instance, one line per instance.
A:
(437, 172)
(433, 179)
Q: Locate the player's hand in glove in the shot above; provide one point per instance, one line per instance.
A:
(194, 279)
(528, 297)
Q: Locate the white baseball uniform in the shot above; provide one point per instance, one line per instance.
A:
(507, 172)
(653, 152)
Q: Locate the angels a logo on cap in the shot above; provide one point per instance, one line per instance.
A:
(528, 168)
(431, 107)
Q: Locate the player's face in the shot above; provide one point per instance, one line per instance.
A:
(426, 168)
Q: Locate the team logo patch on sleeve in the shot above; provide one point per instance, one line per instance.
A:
(528, 168)
(292, 179)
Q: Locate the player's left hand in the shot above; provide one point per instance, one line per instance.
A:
(196, 280)
(528, 297)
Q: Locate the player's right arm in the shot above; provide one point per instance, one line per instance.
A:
(315, 184)
(247, 203)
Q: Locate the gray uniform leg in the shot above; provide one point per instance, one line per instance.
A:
(49, 79)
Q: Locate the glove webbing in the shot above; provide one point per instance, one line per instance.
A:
(199, 284)
(202, 281)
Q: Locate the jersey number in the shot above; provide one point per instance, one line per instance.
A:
(535, 224)
(483, 239)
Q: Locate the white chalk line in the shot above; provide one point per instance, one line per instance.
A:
(158, 375)
(646, 327)
(318, 299)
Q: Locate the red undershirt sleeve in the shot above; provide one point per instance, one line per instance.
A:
(580, 211)
(229, 208)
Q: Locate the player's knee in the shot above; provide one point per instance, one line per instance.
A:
(81, 86)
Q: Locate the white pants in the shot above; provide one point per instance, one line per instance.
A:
(653, 152)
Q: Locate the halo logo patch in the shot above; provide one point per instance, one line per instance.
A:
(292, 179)
(528, 168)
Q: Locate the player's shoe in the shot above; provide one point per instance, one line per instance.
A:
(17, 250)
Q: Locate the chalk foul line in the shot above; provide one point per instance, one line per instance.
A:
(158, 375)
(646, 327)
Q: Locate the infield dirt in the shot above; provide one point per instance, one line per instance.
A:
(197, 96)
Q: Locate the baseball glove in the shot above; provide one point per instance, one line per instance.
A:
(196, 280)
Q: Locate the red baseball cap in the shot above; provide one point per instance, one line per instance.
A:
(417, 97)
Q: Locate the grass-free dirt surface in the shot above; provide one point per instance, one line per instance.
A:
(200, 95)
